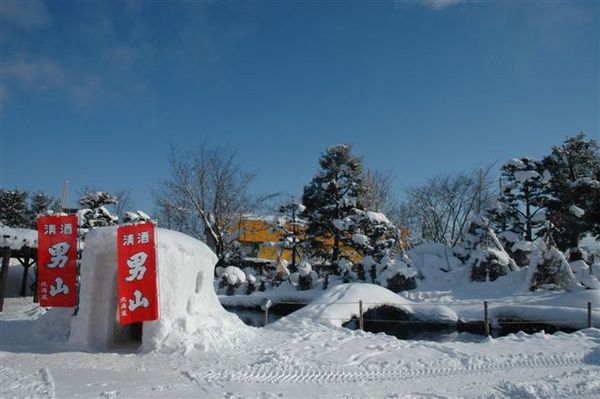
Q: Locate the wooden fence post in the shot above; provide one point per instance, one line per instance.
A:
(589, 319)
(361, 321)
(266, 316)
(4, 275)
(35, 283)
(486, 321)
(265, 306)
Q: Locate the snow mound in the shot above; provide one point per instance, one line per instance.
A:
(432, 259)
(191, 316)
(340, 303)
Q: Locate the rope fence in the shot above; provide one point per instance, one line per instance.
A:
(360, 315)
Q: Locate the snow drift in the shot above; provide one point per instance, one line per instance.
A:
(340, 303)
(191, 316)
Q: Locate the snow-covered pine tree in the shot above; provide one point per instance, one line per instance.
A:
(573, 190)
(291, 226)
(93, 212)
(330, 201)
(519, 212)
(549, 268)
(483, 253)
(521, 197)
(40, 203)
(13, 208)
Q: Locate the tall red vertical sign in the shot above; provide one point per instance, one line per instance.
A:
(57, 260)
(137, 280)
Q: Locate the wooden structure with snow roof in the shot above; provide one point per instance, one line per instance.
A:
(20, 244)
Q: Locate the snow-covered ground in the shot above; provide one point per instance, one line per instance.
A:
(197, 349)
(298, 359)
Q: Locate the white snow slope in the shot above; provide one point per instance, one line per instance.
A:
(301, 359)
(296, 357)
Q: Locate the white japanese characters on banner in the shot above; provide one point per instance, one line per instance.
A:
(137, 285)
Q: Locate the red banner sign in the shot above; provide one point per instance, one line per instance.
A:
(57, 261)
(136, 264)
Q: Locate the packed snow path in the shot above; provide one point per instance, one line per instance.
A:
(303, 359)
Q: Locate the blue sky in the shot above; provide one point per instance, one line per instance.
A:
(94, 92)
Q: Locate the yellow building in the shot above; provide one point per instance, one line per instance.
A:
(260, 238)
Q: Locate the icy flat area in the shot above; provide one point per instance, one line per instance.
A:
(298, 359)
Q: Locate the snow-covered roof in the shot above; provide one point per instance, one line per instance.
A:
(17, 238)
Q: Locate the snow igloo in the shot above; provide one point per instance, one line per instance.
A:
(190, 315)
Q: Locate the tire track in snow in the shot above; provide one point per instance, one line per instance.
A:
(281, 373)
(16, 383)
(49, 383)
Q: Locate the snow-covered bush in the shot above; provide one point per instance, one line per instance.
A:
(397, 275)
(306, 276)
(93, 212)
(345, 269)
(251, 282)
(136, 217)
(483, 253)
(231, 278)
(549, 269)
(282, 273)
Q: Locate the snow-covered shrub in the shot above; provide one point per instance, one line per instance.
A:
(483, 253)
(251, 283)
(93, 212)
(521, 251)
(282, 273)
(233, 255)
(368, 264)
(232, 277)
(135, 217)
(305, 276)
(398, 276)
(345, 269)
(549, 269)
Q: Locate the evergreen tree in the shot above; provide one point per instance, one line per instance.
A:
(330, 201)
(40, 203)
(573, 190)
(13, 208)
(520, 209)
(93, 212)
(291, 226)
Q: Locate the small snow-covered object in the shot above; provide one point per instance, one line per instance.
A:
(134, 217)
(576, 211)
(267, 304)
(360, 239)
(304, 269)
(234, 275)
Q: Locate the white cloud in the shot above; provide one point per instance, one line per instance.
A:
(441, 4)
(432, 4)
(41, 75)
(28, 15)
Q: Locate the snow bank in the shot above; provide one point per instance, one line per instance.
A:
(17, 238)
(339, 304)
(190, 313)
(431, 259)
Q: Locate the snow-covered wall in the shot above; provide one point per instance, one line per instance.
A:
(190, 313)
